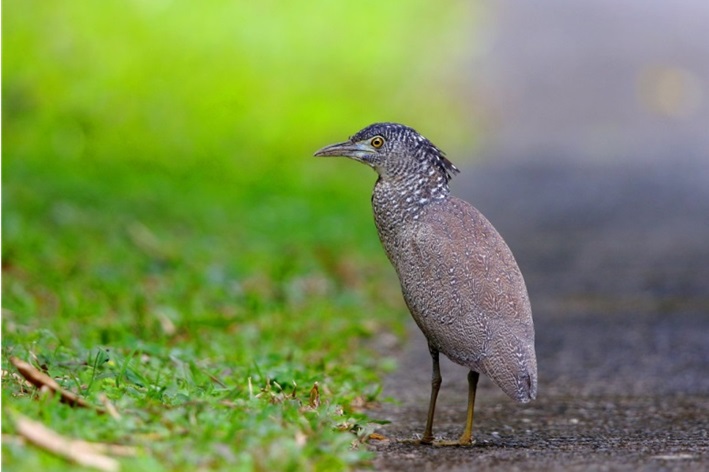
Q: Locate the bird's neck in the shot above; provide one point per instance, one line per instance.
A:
(398, 200)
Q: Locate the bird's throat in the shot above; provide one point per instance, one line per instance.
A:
(398, 203)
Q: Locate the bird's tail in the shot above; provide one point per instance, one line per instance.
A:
(527, 386)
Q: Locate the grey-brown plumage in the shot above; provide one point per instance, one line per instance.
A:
(458, 277)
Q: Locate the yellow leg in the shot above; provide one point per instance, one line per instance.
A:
(467, 437)
(435, 386)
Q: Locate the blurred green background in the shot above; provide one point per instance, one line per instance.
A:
(161, 209)
(250, 84)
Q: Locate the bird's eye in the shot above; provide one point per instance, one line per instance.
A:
(377, 142)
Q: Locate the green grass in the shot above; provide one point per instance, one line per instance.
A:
(198, 325)
(170, 243)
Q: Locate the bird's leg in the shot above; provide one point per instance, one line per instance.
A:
(467, 437)
(435, 386)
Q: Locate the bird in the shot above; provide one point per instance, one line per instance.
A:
(458, 277)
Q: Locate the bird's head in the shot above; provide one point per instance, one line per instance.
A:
(393, 150)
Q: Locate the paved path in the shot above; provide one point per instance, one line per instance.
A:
(607, 212)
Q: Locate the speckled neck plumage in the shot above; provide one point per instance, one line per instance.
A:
(397, 202)
(399, 197)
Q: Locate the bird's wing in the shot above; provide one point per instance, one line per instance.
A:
(466, 292)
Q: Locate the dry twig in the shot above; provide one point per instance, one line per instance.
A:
(78, 451)
(44, 382)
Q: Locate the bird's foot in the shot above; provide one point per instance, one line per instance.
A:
(462, 442)
(426, 441)
(458, 443)
(466, 439)
(413, 441)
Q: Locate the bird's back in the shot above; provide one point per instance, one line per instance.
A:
(465, 291)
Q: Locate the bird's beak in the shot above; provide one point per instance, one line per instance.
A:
(357, 151)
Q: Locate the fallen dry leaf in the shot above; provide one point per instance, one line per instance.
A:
(78, 451)
(300, 438)
(44, 382)
(314, 396)
(168, 327)
(110, 408)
